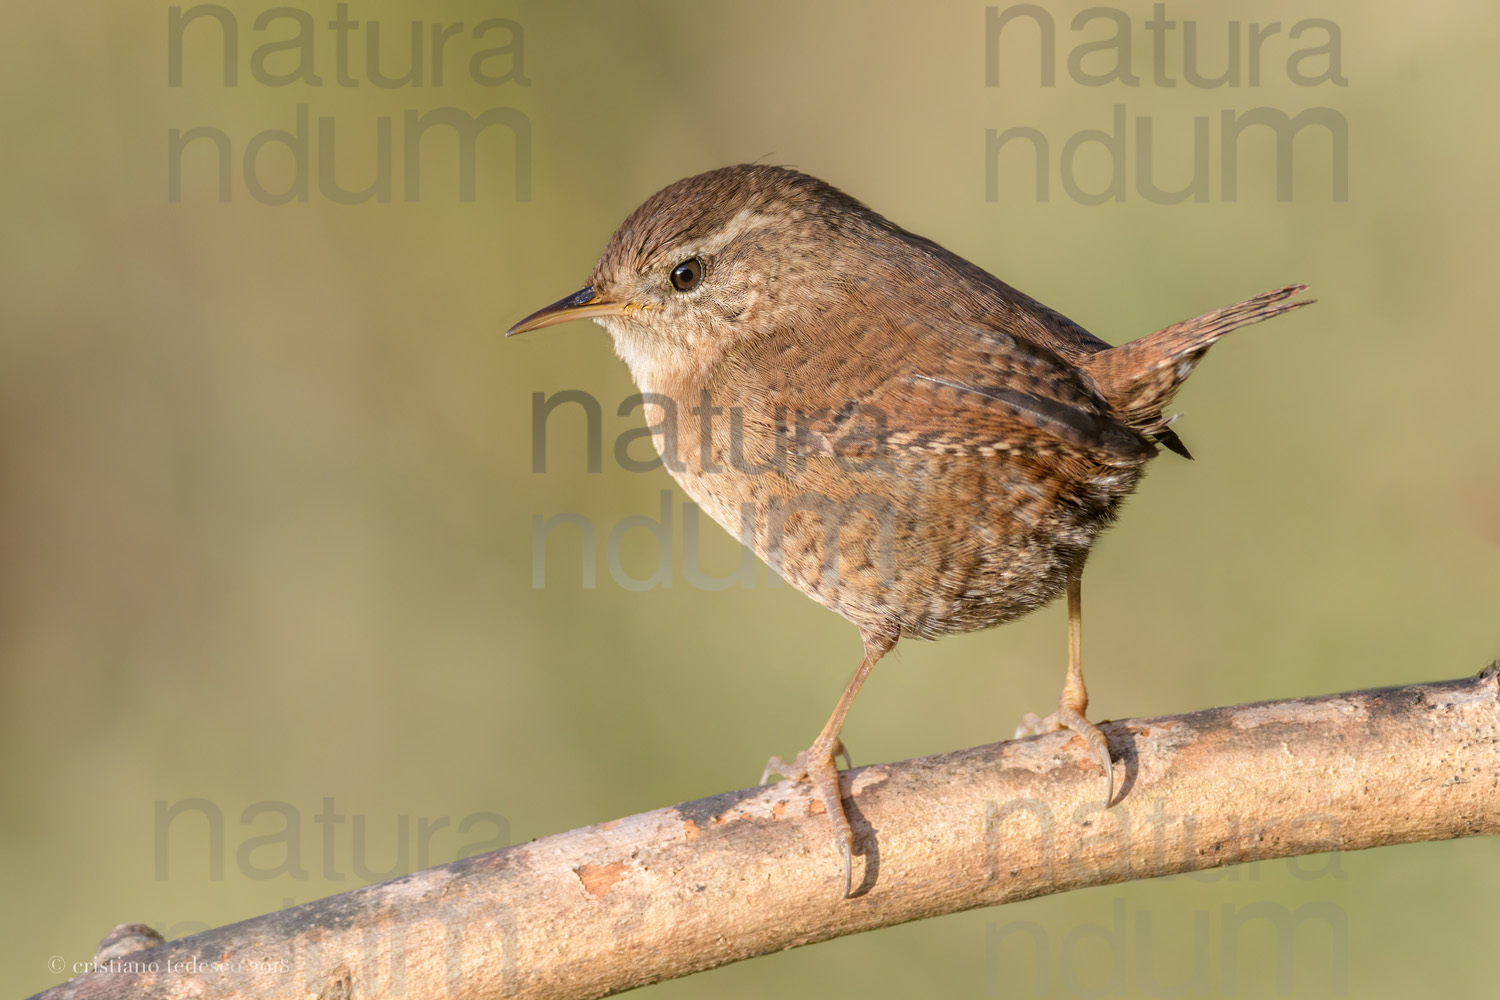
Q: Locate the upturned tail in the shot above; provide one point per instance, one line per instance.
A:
(1139, 378)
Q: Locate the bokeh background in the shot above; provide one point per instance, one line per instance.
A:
(266, 487)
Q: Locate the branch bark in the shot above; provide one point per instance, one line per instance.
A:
(674, 891)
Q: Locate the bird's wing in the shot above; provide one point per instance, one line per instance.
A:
(971, 391)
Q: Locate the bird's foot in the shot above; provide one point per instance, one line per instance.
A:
(816, 764)
(1067, 717)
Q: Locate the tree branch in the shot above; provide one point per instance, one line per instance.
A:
(670, 892)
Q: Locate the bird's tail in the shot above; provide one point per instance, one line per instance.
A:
(1139, 378)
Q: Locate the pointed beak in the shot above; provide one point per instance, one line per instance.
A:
(582, 304)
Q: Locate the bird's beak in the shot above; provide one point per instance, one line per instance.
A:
(582, 304)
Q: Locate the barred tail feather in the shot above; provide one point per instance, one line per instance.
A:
(1139, 378)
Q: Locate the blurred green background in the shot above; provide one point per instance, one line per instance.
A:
(266, 488)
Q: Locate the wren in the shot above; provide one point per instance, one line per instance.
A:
(902, 436)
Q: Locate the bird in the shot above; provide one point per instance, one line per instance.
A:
(904, 437)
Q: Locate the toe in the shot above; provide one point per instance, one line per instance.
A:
(1095, 738)
(817, 765)
(1034, 725)
(795, 771)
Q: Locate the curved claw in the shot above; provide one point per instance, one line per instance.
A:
(816, 764)
(1075, 721)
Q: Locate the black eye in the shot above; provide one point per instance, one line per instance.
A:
(687, 275)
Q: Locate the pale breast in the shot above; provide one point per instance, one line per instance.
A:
(900, 542)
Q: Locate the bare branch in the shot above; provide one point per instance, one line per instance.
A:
(674, 891)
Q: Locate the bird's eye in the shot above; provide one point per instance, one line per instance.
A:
(687, 275)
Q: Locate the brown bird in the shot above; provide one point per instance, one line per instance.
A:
(904, 437)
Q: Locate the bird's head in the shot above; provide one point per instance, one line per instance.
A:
(716, 260)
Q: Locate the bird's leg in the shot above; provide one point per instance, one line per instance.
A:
(1075, 698)
(816, 763)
